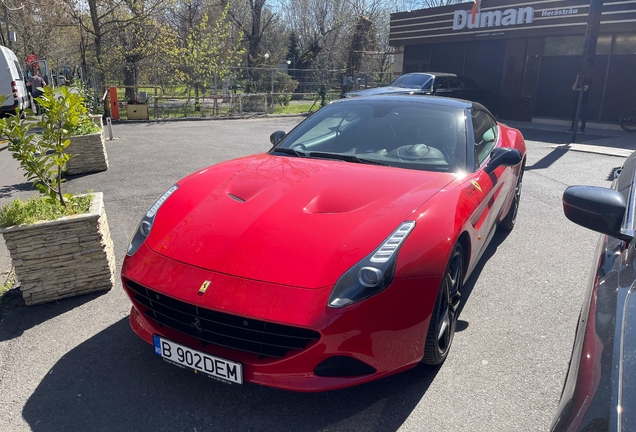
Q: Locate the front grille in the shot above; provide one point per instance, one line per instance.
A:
(218, 328)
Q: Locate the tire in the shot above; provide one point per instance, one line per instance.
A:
(508, 223)
(441, 329)
(627, 120)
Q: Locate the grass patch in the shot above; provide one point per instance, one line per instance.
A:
(30, 211)
(295, 108)
(206, 111)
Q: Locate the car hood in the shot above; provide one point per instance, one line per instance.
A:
(383, 90)
(287, 220)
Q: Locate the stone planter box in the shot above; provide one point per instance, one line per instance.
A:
(63, 258)
(90, 154)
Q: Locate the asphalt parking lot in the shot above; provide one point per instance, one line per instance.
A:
(75, 365)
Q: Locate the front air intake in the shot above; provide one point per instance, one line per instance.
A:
(219, 328)
(341, 366)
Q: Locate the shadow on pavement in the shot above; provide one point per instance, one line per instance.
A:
(549, 159)
(491, 249)
(114, 382)
(8, 190)
(613, 173)
(560, 137)
(16, 318)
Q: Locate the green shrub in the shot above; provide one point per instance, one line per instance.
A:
(282, 99)
(42, 155)
(18, 212)
(86, 129)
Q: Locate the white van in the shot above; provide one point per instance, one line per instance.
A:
(12, 83)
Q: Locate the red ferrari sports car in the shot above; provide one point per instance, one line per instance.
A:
(336, 258)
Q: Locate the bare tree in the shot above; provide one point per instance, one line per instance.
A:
(321, 27)
(252, 19)
(41, 28)
(409, 5)
(183, 15)
(435, 3)
(103, 20)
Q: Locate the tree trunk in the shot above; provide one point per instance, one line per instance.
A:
(98, 73)
(97, 31)
(197, 102)
(130, 79)
(255, 35)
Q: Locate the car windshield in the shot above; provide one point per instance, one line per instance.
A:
(447, 83)
(412, 81)
(405, 134)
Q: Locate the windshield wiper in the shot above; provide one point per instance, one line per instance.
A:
(290, 152)
(346, 157)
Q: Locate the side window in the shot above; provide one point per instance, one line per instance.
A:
(455, 84)
(19, 70)
(485, 128)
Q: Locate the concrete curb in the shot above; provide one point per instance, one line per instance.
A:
(586, 148)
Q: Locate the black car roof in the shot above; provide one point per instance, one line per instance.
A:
(443, 74)
(436, 74)
(423, 99)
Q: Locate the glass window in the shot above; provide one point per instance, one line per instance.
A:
(563, 46)
(603, 44)
(411, 134)
(19, 70)
(408, 68)
(412, 80)
(336, 123)
(485, 129)
(625, 44)
(573, 45)
(447, 82)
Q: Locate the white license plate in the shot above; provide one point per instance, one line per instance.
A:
(183, 356)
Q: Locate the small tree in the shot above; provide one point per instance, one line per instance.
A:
(41, 155)
(210, 50)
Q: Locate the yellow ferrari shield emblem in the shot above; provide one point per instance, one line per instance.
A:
(204, 287)
(474, 183)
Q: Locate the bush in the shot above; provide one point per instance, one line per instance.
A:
(254, 103)
(42, 155)
(283, 99)
(30, 211)
(261, 82)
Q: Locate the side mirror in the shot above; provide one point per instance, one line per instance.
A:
(276, 137)
(503, 157)
(596, 208)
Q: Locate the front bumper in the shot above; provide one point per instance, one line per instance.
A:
(385, 333)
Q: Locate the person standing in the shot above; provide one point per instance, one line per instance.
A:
(576, 88)
(36, 83)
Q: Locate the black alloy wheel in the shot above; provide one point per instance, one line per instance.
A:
(441, 329)
(627, 120)
(508, 223)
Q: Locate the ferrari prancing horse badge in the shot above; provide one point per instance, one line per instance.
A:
(204, 287)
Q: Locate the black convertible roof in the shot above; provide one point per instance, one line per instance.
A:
(423, 99)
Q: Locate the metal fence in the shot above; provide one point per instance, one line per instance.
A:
(232, 105)
(264, 90)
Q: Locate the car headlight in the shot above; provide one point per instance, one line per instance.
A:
(372, 274)
(143, 229)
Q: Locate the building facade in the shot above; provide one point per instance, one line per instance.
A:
(528, 53)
